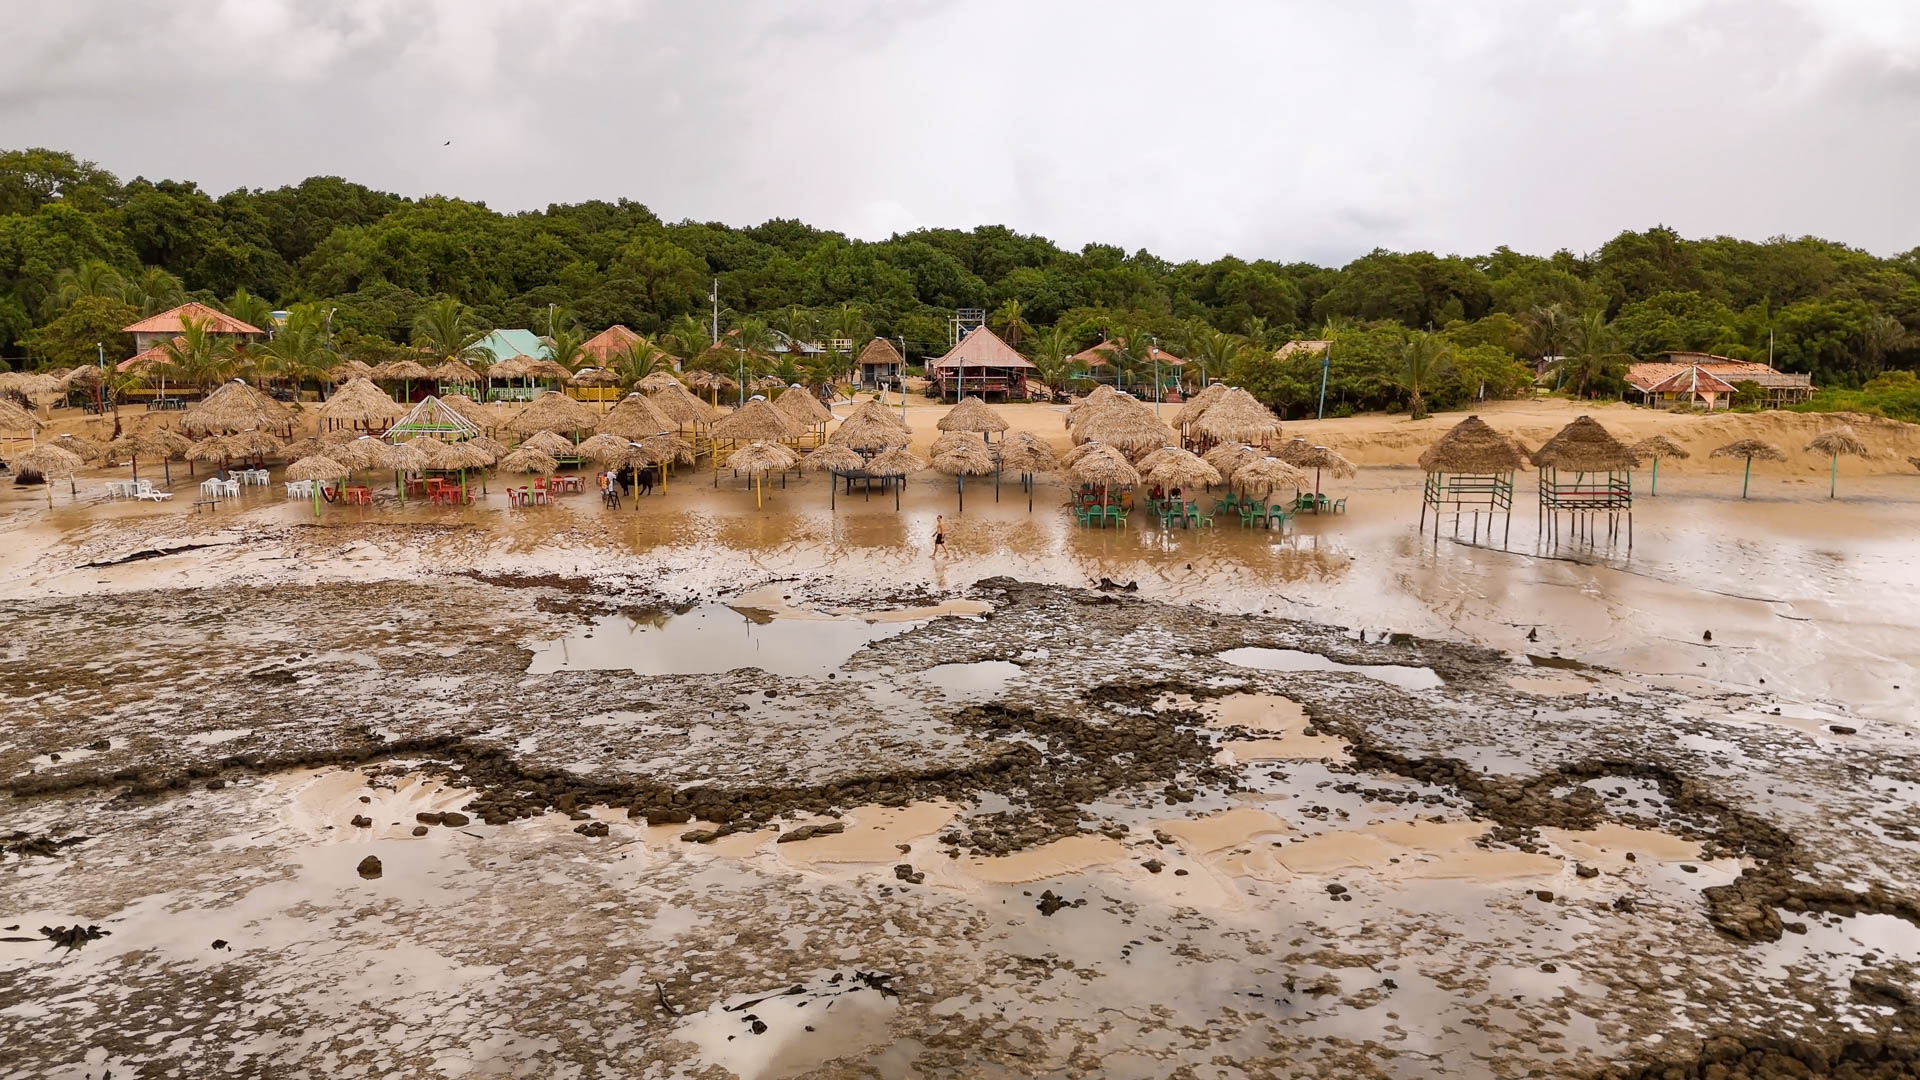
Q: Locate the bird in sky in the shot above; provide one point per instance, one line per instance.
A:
(449, 142)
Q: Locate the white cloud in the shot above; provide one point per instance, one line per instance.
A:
(1279, 130)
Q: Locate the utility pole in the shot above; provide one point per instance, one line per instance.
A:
(1153, 350)
(1326, 364)
(100, 384)
(902, 380)
(330, 312)
(714, 296)
(549, 318)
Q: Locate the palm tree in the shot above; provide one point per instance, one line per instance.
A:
(1009, 321)
(1215, 349)
(848, 323)
(1591, 351)
(1048, 348)
(152, 291)
(1548, 327)
(250, 309)
(641, 359)
(1882, 335)
(447, 328)
(565, 346)
(198, 357)
(686, 337)
(299, 351)
(1423, 357)
(90, 278)
(114, 385)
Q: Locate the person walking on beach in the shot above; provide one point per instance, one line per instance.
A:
(939, 535)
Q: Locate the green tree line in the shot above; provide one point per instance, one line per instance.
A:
(83, 253)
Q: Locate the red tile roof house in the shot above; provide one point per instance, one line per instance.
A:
(156, 329)
(1698, 378)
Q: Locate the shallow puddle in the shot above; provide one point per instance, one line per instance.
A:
(1411, 678)
(710, 639)
(983, 678)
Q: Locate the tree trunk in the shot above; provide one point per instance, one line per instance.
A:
(1419, 405)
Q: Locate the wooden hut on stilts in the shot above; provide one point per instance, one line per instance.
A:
(1601, 482)
(1470, 471)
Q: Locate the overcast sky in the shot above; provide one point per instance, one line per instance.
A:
(1306, 129)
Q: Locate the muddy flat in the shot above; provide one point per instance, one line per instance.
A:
(696, 789)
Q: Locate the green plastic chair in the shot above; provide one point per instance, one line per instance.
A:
(1340, 505)
(1118, 515)
(1083, 514)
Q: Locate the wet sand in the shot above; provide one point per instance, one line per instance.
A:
(774, 794)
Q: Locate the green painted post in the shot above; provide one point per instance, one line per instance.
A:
(1654, 488)
(1833, 478)
(1748, 479)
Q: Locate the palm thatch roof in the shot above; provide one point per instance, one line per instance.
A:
(1321, 459)
(493, 449)
(832, 458)
(898, 461)
(799, 405)
(407, 458)
(242, 445)
(30, 383)
(1237, 416)
(1292, 448)
(636, 417)
(1100, 398)
(1750, 449)
(431, 450)
(513, 367)
(756, 421)
(1197, 405)
(658, 380)
(317, 467)
(15, 418)
(664, 449)
(759, 457)
(466, 455)
(1104, 467)
(1183, 470)
(1659, 446)
(365, 452)
(528, 461)
(951, 439)
(1836, 441)
(49, 461)
(768, 382)
(871, 427)
(1164, 454)
(82, 447)
(879, 351)
(361, 402)
(1129, 430)
(1264, 477)
(475, 413)
(1472, 446)
(349, 370)
(1091, 446)
(542, 368)
(681, 406)
(1025, 452)
(592, 376)
(972, 414)
(709, 380)
(235, 407)
(549, 442)
(147, 443)
(401, 371)
(1585, 446)
(552, 411)
(605, 448)
(453, 371)
(967, 457)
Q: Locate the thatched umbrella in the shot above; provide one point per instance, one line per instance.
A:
(658, 380)
(870, 431)
(494, 450)
(769, 382)
(361, 404)
(513, 367)
(81, 447)
(635, 417)
(1131, 431)
(1196, 406)
(470, 410)
(604, 448)
(1657, 447)
(1472, 446)
(1165, 454)
(1104, 468)
(593, 376)
(1749, 449)
(1237, 416)
(968, 457)
(348, 370)
(549, 442)
(802, 408)
(1228, 457)
(1585, 446)
(756, 421)
(1092, 446)
(403, 372)
(548, 369)
(832, 459)
(463, 456)
(896, 463)
(552, 411)
(1834, 442)
(15, 418)
(253, 445)
(524, 460)
(50, 461)
(1319, 458)
(973, 414)
(1025, 453)
(149, 443)
(757, 459)
(1102, 396)
(404, 459)
(1288, 451)
(1266, 476)
(320, 470)
(235, 407)
(1181, 469)
(454, 371)
(680, 405)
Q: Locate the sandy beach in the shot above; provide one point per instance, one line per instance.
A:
(695, 788)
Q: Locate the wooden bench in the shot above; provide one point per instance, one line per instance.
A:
(210, 504)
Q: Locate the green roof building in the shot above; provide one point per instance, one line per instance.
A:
(507, 344)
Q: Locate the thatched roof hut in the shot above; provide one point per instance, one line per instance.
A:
(634, 418)
(1837, 441)
(235, 407)
(318, 468)
(1104, 467)
(549, 442)
(605, 449)
(870, 432)
(1129, 430)
(592, 376)
(1237, 417)
(401, 371)
(1659, 446)
(972, 414)
(966, 457)
(897, 461)
(348, 370)
(453, 371)
(756, 421)
(493, 449)
(761, 457)
(802, 408)
(361, 404)
(1585, 446)
(1472, 446)
(541, 368)
(658, 380)
(1264, 477)
(1197, 405)
(1182, 470)
(552, 411)
(513, 367)
(832, 458)
(679, 404)
(524, 460)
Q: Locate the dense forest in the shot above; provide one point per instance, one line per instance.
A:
(83, 253)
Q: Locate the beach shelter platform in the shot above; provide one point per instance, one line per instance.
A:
(1469, 473)
(436, 418)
